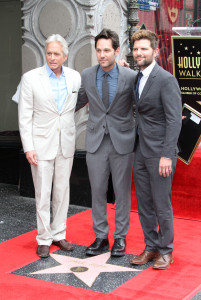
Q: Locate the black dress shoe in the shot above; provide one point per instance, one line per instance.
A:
(98, 246)
(119, 247)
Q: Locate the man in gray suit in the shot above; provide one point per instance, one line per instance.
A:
(158, 124)
(108, 88)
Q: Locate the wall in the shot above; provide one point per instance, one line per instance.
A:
(78, 21)
(10, 53)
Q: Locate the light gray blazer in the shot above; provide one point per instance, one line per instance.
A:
(159, 115)
(40, 123)
(119, 115)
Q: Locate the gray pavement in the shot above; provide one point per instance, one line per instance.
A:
(18, 214)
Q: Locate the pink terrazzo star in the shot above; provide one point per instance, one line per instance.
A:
(87, 269)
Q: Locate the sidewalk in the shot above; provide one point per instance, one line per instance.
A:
(18, 214)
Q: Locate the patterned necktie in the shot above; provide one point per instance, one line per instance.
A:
(137, 85)
(105, 91)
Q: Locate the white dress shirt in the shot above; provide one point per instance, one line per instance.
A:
(146, 72)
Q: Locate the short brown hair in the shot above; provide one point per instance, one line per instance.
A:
(108, 34)
(147, 35)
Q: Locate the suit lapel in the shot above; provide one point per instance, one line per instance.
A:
(47, 87)
(93, 82)
(120, 86)
(69, 83)
(149, 82)
(94, 74)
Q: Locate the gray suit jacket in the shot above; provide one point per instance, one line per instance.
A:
(159, 115)
(119, 115)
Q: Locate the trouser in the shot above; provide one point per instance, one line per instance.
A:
(154, 199)
(52, 175)
(100, 164)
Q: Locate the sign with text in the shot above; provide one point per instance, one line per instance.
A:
(190, 135)
(187, 68)
(148, 5)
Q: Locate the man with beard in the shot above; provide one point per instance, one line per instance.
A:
(158, 124)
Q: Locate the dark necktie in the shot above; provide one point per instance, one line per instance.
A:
(105, 91)
(137, 86)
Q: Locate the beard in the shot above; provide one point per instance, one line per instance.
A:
(145, 62)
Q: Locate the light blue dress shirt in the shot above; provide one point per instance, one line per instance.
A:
(59, 87)
(112, 78)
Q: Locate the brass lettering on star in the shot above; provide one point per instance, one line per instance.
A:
(79, 269)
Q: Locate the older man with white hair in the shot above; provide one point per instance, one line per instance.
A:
(47, 128)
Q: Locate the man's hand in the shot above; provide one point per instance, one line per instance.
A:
(31, 157)
(123, 63)
(165, 166)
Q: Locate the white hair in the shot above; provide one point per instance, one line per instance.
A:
(57, 38)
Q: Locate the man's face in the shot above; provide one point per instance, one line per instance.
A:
(106, 54)
(143, 54)
(55, 56)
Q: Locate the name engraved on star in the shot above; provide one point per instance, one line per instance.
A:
(79, 269)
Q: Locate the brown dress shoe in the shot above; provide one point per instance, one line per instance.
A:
(163, 262)
(43, 251)
(64, 245)
(144, 258)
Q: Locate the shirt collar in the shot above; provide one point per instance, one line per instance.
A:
(146, 72)
(51, 73)
(112, 72)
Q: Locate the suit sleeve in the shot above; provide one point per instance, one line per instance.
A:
(172, 104)
(25, 114)
(82, 99)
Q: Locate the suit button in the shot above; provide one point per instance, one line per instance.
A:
(103, 126)
(107, 113)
